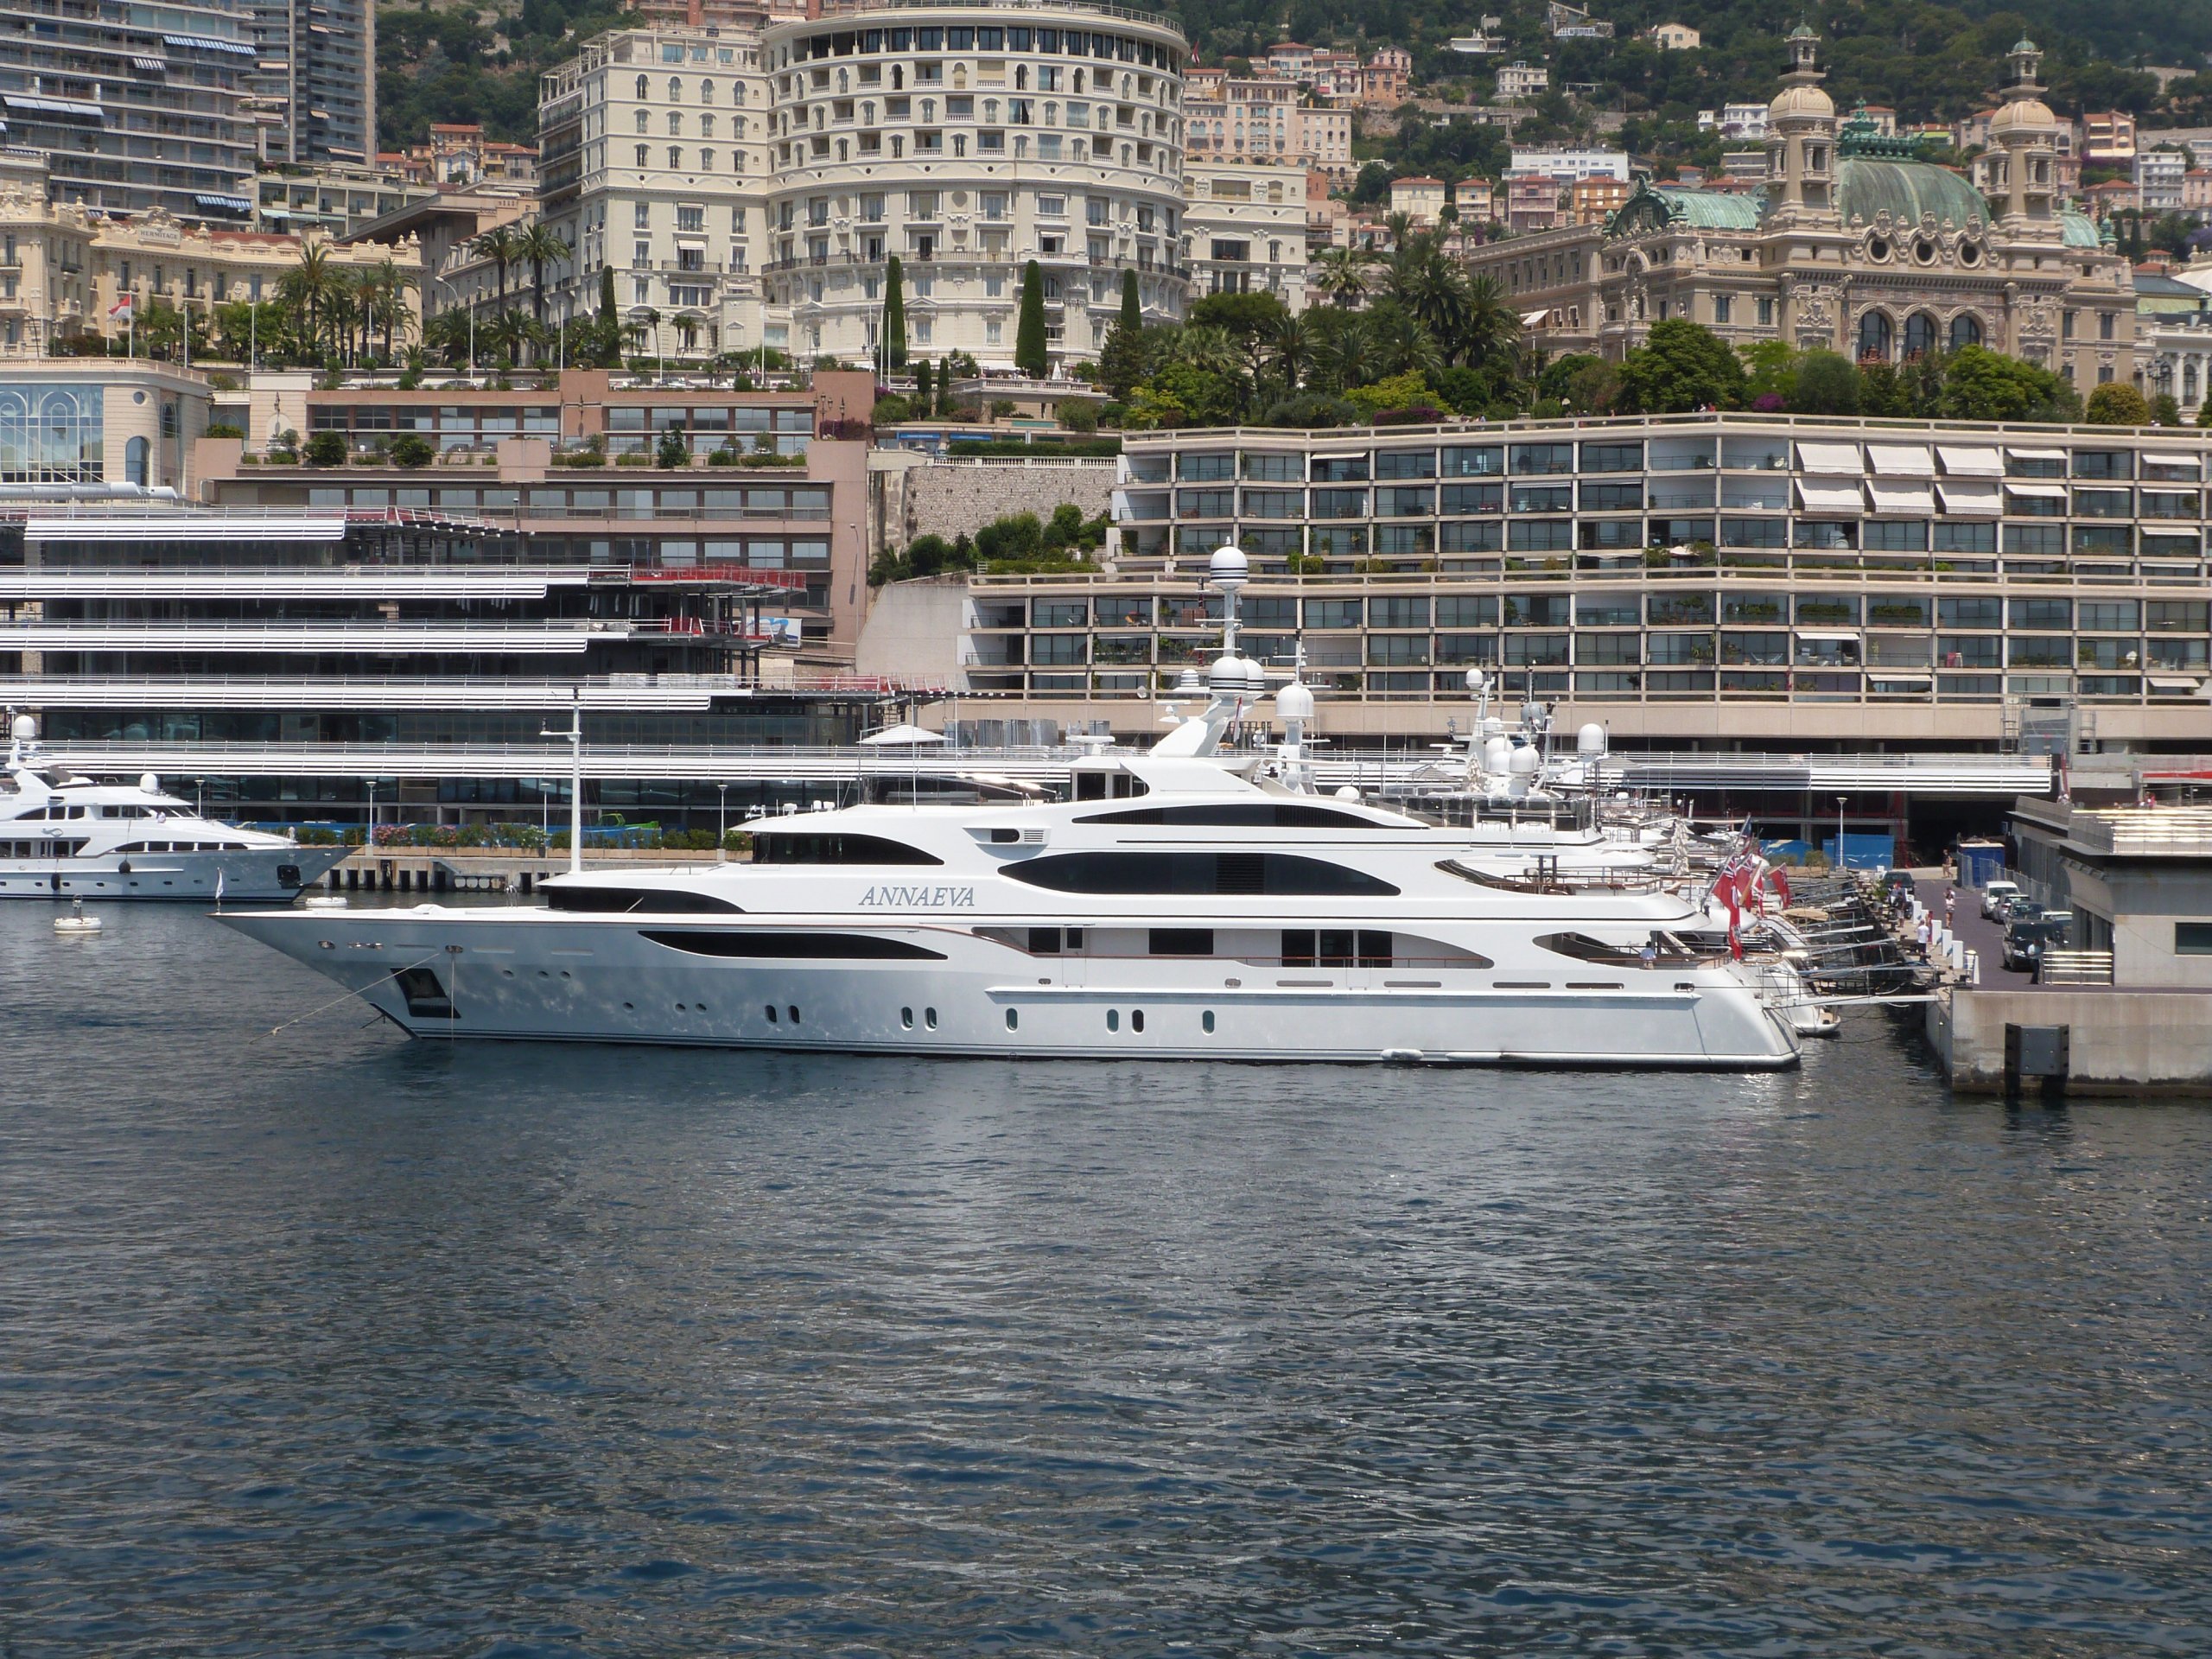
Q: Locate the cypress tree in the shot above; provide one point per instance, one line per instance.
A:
(924, 399)
(1029, 336)
(945, 387)
(895, 318)
(610, 328)
(1132, 313)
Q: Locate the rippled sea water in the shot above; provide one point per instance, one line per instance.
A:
(335, 1343)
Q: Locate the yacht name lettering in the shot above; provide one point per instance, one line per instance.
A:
(919, 898)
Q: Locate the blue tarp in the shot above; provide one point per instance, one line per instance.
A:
(1863, 852)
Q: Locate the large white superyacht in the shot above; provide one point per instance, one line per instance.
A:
(67, 836)
(1183, 904)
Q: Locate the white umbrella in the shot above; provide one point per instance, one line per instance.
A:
(901, 737)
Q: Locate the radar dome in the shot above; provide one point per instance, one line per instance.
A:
(1229, 567)
(1498, 753)
(23, 728)
(1590, 740)
(1523, 763)
(1188, 682)
(1295, 701)
(1346, 793)
(1475, 680)
(149, 782)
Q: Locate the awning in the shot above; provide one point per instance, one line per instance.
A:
(236, 204)
(2172, 682)
(1880, 678)
(1829, 458)
(1831, 494)
(1535, 319)
(1961, 462)
(1850, 638)
(2058, 455)
(2042, 491)
(1900, 498)
(1900, 460)
(152, 66)
(207, 43)
(54, 107)
(1976, 499)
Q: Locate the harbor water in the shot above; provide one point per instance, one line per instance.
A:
(326, 1342)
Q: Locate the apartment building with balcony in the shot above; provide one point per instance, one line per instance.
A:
(654, 164)
(1711, 580)
(1245, 231)
(134, 107)
(968, 140)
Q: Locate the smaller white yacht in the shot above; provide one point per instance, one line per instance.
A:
(67, 836)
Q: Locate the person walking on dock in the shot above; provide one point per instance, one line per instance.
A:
(1925, 934)
(1950, 904)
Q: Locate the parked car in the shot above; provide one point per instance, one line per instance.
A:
(2027, 940)
(1995, 894)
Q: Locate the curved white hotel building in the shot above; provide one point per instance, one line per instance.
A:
(965, 140)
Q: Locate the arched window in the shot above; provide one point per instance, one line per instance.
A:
(1965, 330)
(706, 161)
(675, 156)
(675, 89)
(135, 456)
(706, 126)
(1874, 338)
(1020, 77)
(675, 124)
(644, 121)
(644, 90)
(1919, 334)
(706, 92)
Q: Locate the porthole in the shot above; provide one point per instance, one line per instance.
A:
(1878, 250)
(1136, 1019)
(1113, 1018)
(1205, 1023)
(509, 972)
(1923, 251)
(929, 1018)
(1013, 1019)
(793, 1012)
(770, 1010)
(632, 1007)
(907, 1018)
(1969, 253)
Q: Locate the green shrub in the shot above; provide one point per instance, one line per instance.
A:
(412, 449)
(224, 429)
(324, 449)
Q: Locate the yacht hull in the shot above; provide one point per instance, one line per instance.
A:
(254, 876)
(539, 976)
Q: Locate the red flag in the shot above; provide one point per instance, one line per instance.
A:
(1735, 944)
(1781, 883)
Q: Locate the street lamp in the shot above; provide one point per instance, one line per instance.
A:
(722, 820)
(200, 797)
(371, 838)
(576, 736)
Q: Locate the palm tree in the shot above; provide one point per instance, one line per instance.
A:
(1397, 343)
(1489, 329)
(390, 284)
(307, 284)
(507, 333)
(502, 244)
(539, 243)
(447, 334)
(1290, 344)
(1341, 274)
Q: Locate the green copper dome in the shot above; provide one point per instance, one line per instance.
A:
(2080, 231)
(1867, 185)
(1655, 208)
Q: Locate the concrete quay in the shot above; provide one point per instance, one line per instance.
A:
(2001, 1032)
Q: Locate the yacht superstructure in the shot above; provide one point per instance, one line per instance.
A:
(67, 836)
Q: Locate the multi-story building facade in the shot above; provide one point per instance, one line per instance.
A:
(63, 268)
(1421, 199)
(968, 140)
(1702, 580)
(135, 109)
(1568, 164)
(1594, 200)
(1245, 231)
(1517, 81)
(1855, 245)
(654, 164)
(99, 426)
(1236, 118)
(333, 201)
(314, 80)
(1531, 203)
(2158, 175)
(1386, 80)
(2109, 138)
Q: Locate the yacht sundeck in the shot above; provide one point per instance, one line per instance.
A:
(64, 836)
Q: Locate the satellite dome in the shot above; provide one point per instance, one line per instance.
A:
(1295, 701)
(1475, 680)
(1590, 741)
(1188, 682)
(1523, 764)
(1226, 677)
(149, 782)
(23, 728)
(1229, 567)
(1346, 793)
(1498, 753)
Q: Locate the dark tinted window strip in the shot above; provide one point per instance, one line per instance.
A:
(647, 901)
(819, 947)
(1259, 875)
(1241, 815)
(788, 848)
